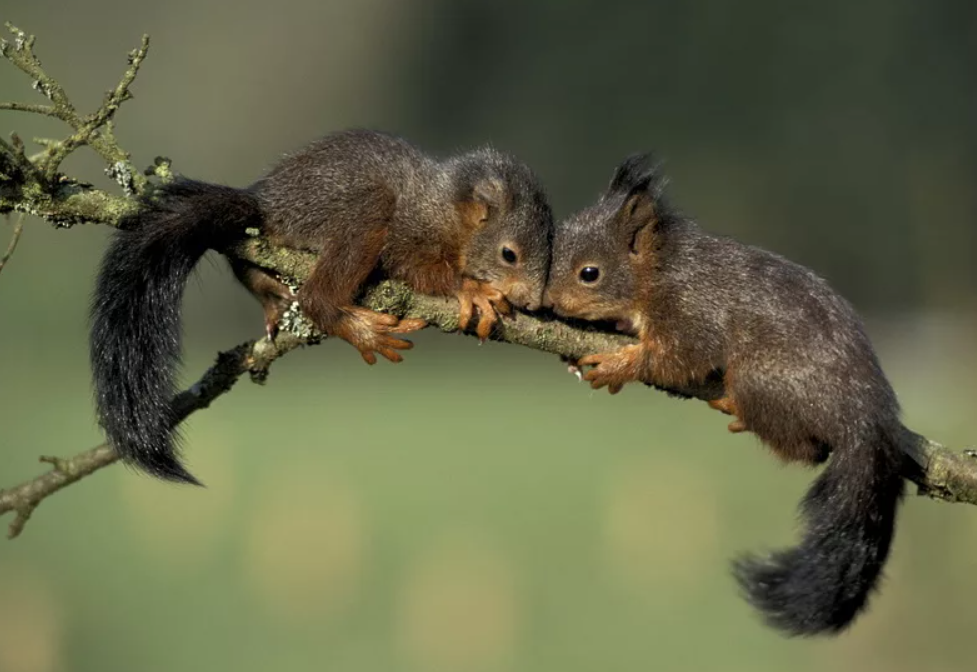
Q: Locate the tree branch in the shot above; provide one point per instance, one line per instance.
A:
(88, 129)
(253, 357)
(28, 185)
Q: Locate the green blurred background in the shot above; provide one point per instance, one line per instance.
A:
(475, 509)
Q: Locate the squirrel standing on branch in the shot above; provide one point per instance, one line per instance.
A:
(476, 226)
(797, 366)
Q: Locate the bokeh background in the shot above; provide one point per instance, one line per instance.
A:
(475, 509)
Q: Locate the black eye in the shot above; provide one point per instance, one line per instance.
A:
(589, 274)
(509, 256)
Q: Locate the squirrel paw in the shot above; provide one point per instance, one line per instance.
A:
(370, 332)
(490, 303)
(728, 406)
(613, 369)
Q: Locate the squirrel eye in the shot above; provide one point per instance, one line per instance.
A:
(589, 274)
(509, 256)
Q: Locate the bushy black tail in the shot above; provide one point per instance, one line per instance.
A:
(821, 585)
(135, 338)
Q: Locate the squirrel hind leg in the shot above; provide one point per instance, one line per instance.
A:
(274, 295)
(773, 427)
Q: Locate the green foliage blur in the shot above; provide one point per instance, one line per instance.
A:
(474, 508)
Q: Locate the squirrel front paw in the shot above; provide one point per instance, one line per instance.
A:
(370, 332)
(490, 303)
(614, 369)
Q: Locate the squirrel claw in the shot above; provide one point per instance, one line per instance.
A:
(271, 330)
(371, 332)
(407, 326)
(485, 323)
(489, 301)
(614, 369)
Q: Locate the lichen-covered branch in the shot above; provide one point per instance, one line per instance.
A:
(94, 130)
(33, 185)
(30, 184)
(939, 472)
(254, 357)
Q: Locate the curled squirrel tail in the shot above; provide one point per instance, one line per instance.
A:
(821, 585)
(135, 313)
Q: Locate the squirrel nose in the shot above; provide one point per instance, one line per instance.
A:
(524, 296)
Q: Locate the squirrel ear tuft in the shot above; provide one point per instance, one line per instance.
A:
(633, 171)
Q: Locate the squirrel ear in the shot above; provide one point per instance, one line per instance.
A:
(638, 214)
(487, 195)
(489, 191)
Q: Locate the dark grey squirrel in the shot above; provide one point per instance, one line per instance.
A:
(797, 367)
(476, 226)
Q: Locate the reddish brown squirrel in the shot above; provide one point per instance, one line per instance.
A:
(797, 367)
(476, 226)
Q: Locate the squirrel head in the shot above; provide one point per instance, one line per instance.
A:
(602, 254)
(510, 226)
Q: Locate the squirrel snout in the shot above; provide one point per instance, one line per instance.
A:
(525, 297)
(533, 303)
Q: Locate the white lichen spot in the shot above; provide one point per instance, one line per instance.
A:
(295, 322)
(122, 174)
(252, 232)
(20, 39)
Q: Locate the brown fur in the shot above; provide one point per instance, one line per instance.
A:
(370, 205)
(370, 202)
(798, 368)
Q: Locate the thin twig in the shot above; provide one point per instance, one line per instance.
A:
(105, 143)
(254, 357)
(21, 54)
(47, 110)
(24, 498)
(14, 239)
(94, 129)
